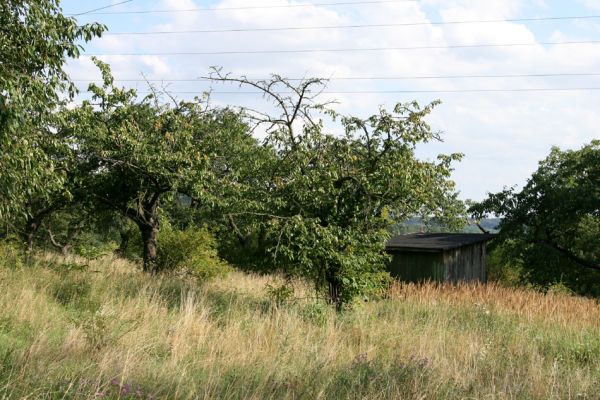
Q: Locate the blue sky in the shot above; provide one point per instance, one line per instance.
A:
(502, 134)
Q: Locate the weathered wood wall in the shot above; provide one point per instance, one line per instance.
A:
(465, 263)
(418, 266)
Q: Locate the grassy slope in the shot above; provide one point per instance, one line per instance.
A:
(112, 330)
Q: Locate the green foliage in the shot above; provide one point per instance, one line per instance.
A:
(144, 152)
(80, 228)
(11, 254)
(559, 288)
(501, 268)
(280, 295)
(315, 313)
(325, 201)
(35, 41)
(344, 263)
(93, 251)
(193, 250)
(72, 289)
(550, 228)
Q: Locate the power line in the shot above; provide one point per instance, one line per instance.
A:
(380, 78)
(345, 3)
(568, 89)
(356, 26)
(98, 9)
(460, 46)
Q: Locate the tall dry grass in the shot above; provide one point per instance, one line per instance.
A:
(110, 331)
(556, 308)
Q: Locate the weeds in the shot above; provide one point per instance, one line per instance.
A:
(119, 334)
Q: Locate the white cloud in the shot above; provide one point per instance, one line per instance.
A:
(502, 134)
(591, 4)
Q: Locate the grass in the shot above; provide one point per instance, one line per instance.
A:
(108, 331)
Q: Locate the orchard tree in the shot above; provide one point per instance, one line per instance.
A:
(42, 202)
(143, 152)
(551, 227)
(328, 199)
(35, 41)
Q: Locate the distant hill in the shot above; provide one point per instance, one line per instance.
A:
(417, 224)
(489, 224)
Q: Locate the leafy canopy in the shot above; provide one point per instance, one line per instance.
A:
(328, 199)
(551, 227)
(35, 41)
(141, 151)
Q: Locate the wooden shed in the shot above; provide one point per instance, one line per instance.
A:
(439, 257)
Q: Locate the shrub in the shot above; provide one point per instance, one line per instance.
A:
(501, 269)
(280, 295)
(11, 254)
(94, 250)
(561, 289)
(71, 289)
(345, 265)
(193, 250)
(315, 313)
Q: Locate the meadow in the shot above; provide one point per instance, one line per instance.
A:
(71, 329)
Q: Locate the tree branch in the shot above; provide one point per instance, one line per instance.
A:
(53, 239)
(571, 256)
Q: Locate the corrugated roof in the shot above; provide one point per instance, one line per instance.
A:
(435, 241)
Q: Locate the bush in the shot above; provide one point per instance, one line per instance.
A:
(280, 295)
(11, 254)
(193, 250)
(345, 265)
(315, 313)
(71, 290)
(93, 251)
(502, 269)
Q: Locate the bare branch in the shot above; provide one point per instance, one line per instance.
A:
(53, 239)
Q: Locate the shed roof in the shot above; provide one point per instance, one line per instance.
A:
(435, 241)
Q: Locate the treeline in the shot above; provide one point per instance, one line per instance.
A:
(178, 182)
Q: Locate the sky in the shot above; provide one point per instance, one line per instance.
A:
(502, 134)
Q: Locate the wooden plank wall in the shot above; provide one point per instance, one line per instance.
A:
(418, 267)
(466, 263)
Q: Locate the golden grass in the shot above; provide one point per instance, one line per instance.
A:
(113, 332)
(565, 310)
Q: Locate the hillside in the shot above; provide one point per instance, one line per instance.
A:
(109, 331)
(417, 224)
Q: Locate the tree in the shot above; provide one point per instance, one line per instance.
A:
(42, 202)
(329, 199)
(142, 152)
(35, 41)
(551, 227)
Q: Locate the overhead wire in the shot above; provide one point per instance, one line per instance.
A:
(357, 78)
(337, 50)
(409, 91)
(344, 50)
(352, 26)
(93, 11)
(330, 4)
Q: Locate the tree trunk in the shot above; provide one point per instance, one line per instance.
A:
(123, 244)
(31, 227)
(64, 248)
(334, 291)
(149, 238)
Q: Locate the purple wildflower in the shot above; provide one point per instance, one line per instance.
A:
(126, 389)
